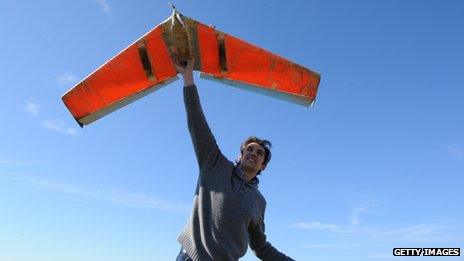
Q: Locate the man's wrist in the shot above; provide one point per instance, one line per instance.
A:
(188, 81)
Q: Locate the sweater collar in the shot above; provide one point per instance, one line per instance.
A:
(253, 183)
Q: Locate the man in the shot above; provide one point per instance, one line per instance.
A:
(228, 209)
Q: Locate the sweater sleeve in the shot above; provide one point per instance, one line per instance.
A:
(205, 146)
(263, 249)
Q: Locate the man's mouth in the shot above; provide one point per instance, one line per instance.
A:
(251, 160)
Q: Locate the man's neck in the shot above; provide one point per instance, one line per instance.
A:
(249, 174)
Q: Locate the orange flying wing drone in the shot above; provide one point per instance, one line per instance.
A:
(147, 65)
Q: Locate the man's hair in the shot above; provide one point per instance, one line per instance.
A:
(263, 143)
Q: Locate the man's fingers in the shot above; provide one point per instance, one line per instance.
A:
(184, 66)
(190, 63)
(180, 69)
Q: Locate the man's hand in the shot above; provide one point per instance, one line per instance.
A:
(186, 71)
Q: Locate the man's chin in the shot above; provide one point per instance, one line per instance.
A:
(249, 167)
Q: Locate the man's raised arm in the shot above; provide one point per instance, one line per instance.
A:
(205, 146)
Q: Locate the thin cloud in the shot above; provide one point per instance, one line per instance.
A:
(355, 215)
(413, 233)
(421, 233)
(358, 234)
(355, 220)
(32, 108)
(316, 226)
(342, 245)
(456, 152)
(66, 79)
(112, 195)
(381, 255)
(58, 125)
(15, 162)
(104, 6)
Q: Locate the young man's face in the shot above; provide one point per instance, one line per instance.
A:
(252, 158)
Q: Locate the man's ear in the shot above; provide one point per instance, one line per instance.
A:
(263, 167)
(239, 158)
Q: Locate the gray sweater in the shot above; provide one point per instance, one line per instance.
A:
(228, 211)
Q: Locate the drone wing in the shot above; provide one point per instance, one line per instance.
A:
(143, 67)
(235, 62)
(147, 65)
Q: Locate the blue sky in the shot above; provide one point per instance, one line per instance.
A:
(378, 162)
